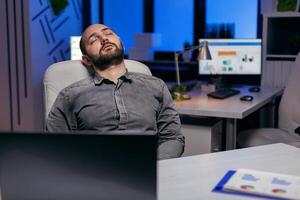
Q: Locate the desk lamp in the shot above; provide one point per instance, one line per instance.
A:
(203, 54)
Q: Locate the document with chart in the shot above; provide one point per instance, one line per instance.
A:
(264, 184)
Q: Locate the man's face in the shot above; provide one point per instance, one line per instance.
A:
(103, 46)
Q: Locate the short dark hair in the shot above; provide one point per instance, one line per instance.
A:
(82, 46)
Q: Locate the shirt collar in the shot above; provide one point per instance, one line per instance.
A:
(128, 75)
(99, 79)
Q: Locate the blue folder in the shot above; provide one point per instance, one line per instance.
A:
(220, 188)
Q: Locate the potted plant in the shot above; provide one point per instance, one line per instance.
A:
(287, 5)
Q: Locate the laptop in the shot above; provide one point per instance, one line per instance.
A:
(77, 166)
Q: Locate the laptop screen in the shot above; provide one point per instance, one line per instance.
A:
(77, 166)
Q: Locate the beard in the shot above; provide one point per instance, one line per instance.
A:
(105, 60)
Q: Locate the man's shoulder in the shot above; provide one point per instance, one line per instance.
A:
(79, 84)
(145, 77)
(153, 84)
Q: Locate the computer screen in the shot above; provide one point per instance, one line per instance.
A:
(232, 56)
(75, 49)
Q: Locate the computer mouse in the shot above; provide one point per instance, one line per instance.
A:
(246, 98)
(254, 89)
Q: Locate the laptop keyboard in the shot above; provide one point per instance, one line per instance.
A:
(223, 93)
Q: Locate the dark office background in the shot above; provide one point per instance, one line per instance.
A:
(179, 23)
(37, 34)
(176, 20)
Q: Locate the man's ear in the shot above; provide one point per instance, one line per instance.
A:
(86, 61)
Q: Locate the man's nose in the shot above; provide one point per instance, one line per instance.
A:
(103, 40)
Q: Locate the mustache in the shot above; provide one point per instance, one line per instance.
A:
(107, 43)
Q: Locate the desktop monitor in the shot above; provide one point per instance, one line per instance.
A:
(77, 166)
(75, 49)
(232, 57)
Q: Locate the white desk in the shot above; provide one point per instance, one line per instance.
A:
(194, 177)
(230, 108)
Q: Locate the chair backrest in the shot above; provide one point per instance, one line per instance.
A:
(289, 108)
(62, 74)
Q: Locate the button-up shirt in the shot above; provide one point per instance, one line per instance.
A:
(137, 102)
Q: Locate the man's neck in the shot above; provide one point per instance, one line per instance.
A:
(113, 72)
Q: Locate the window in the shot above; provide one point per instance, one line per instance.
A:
(241, 15)
(125, 18)
(174, 20)
(95, 12)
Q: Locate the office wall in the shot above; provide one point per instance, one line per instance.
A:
(31, 38)
(16, 93)
(5, 117)
(275, 73)
(50, 36)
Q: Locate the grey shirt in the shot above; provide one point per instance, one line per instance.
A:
(137, 102)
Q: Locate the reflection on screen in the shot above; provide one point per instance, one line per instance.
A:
(232, 56)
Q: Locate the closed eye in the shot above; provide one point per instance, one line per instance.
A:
(92, 40)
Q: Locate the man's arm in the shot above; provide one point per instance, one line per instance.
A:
(171, 140)
(59, 117)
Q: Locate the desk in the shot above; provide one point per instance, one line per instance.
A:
(194, 177)
(230, 108)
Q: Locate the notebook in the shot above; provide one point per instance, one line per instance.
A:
(261, 184)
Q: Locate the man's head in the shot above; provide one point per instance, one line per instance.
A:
(101, 47)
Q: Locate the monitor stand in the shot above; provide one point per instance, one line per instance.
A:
(220, 82)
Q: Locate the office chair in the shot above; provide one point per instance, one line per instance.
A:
(289, 117)
(62, 74)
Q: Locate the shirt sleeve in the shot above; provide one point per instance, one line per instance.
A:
(59, 117)
(170, 138)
